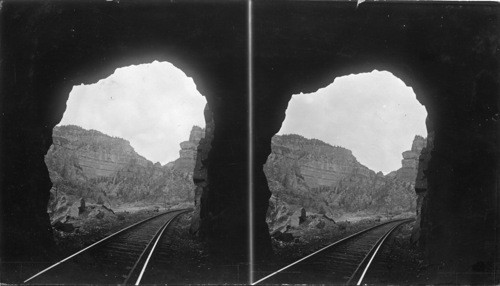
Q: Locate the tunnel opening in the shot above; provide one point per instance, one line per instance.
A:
(126, 148)
(348, 152)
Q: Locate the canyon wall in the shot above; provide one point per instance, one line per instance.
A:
(329, 180)
(95, 167)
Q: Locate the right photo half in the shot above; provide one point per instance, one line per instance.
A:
(376, 142)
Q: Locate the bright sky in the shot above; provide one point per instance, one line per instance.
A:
(375, 115)
(154, 106)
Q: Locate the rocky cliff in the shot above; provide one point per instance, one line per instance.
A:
(80, 155)
(187, 154)
(105, 170)
(408, 171)
(329, 180)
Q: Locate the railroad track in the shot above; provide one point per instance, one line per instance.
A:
(120, 258)
(343, 262)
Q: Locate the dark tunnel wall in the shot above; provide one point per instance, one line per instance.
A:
(447, 52)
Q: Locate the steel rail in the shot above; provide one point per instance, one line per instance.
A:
(324, 248)
(376, 251)
(97, 243)
(375, 247)
(144, 251)
(162, 229)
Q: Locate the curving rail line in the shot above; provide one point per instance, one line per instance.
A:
(345, 261)
(120, 258)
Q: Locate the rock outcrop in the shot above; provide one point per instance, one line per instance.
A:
(282, 216)
(408, 173)
(68, 212)
(187, 154)
(329, 180)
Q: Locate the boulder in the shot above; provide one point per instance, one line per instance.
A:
(96, 213)
(64, 227)
(285, 237)
(65, 208)
(74, 210)
(317, 222)
(329, 217)
(100, 212)
(343, 225)
(321, 224)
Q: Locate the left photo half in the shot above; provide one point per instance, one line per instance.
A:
(124, 142)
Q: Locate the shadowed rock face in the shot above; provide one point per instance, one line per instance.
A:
(200, 175)
(447, 52)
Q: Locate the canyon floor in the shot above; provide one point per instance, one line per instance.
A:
(191, 262)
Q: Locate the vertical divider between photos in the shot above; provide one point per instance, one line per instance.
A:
(250, 147)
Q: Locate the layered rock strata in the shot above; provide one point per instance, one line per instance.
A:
(96, 154)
